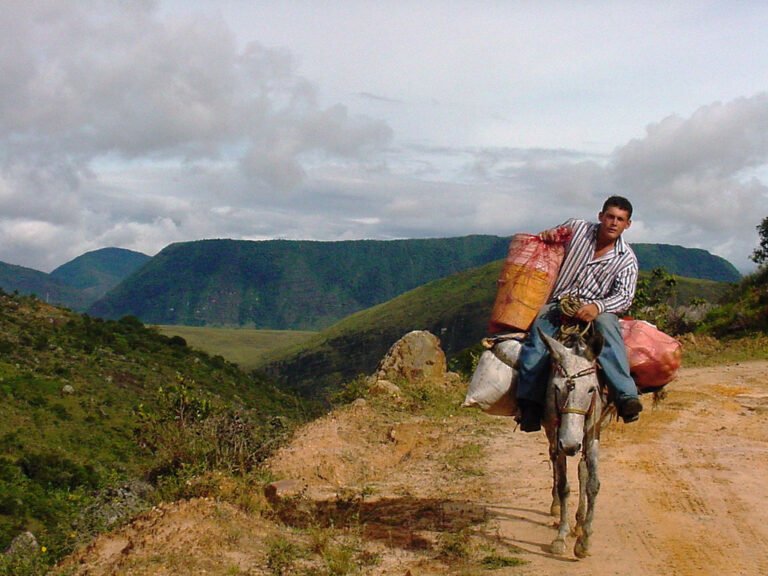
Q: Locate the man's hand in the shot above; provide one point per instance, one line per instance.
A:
(549, 236)
(587, 313)
(559, 235)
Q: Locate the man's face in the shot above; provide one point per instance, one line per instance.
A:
(612, 223)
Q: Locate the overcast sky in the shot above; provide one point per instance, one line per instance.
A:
(139, 123)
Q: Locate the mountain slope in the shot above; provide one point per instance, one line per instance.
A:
(96, 273)
(688, 262)
(304, 285)
(28, 281)
(396, 484)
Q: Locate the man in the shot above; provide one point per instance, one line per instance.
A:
(599, 271)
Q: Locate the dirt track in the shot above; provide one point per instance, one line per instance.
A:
(684, 489)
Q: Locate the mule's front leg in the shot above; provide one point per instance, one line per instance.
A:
(581, 512)
(563, 489)
(554, 508)
(591, 480)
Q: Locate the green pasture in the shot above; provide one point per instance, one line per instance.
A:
(244, 346)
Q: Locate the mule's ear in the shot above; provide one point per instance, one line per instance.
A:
(556, 349)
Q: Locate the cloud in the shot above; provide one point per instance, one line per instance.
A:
(83, 84)
(695, 178)
(694, 181)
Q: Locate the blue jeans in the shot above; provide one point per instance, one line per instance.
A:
(533, 361)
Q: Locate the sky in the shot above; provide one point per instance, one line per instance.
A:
(137, 124)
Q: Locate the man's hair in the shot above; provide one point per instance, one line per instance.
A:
(618, 202)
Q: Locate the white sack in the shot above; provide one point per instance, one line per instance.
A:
(492, 387)
(507, 351)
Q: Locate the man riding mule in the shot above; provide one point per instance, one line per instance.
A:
(596, 283)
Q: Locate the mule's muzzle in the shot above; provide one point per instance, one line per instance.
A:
(569, 449)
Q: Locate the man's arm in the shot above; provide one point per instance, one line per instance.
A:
(619, 298)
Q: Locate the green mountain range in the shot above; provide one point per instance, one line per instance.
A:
(282, 284)
(28, 281)
(78, 283)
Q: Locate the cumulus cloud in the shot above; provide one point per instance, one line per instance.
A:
(81, 82)
(694, 181)
(695, 177)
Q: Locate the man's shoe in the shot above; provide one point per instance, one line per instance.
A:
(629, 409)
(530, 416)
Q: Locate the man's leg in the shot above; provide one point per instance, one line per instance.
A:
(615, 365)
(533, 364)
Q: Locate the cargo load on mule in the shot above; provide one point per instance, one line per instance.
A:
(526, 281)
(654, 357)
(494, 380)
(524, 286)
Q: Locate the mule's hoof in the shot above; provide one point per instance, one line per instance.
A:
(580, 549)
(558, 547)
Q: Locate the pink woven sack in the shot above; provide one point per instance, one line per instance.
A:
(654, 357)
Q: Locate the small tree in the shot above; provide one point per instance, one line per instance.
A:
(760, 254)
(655, 297)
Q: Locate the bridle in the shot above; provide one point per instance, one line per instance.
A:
(570, 385)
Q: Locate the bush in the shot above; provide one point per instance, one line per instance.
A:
(57, 471)
(189, 435)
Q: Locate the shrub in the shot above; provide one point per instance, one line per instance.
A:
(56, 471)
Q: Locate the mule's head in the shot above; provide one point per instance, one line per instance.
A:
(573, 393)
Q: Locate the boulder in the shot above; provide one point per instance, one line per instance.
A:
(417, 356)
(25, 543)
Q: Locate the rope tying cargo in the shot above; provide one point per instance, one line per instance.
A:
(575, 329)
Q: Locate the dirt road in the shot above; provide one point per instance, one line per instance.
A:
(684, 490)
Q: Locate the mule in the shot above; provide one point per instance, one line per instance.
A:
(575, 410)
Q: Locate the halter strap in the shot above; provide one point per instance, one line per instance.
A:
(570, 383)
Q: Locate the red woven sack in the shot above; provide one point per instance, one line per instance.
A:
(654, 357)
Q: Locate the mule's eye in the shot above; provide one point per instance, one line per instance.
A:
(591, 390)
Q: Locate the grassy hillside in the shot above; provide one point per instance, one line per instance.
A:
(456, 309)
(687, 262)
(743, 311)
(245, 347)
(286, 284)
(87, 404)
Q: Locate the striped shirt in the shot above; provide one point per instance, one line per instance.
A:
(608, 281)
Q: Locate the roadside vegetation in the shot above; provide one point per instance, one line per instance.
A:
(101, 419)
